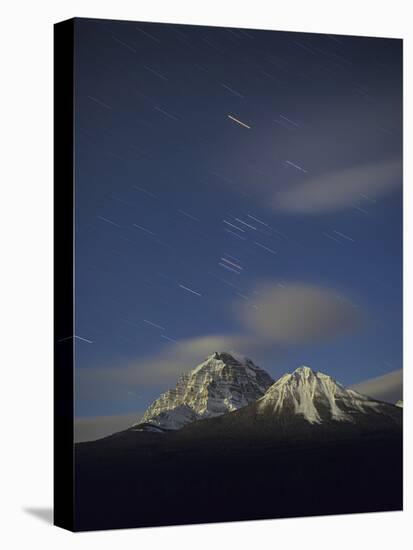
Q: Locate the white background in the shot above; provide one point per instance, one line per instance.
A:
(26, 271)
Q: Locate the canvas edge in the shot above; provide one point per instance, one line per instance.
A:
(63, 249)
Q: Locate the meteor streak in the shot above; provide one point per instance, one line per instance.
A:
(189, 290)
(153, 324)
(239, 122)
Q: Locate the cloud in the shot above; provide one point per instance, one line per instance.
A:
(95, 427)
(388, 387)
(110, 383)
(298, 313)
(337, 190)
(290, 315)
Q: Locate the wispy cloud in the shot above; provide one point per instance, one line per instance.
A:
(103, 384)
(281, 315)
(388, 387)
(341, 189)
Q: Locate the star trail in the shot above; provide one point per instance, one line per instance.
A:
(211, 161)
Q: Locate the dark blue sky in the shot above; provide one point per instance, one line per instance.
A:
(160, 165)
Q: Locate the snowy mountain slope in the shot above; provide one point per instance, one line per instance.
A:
(317, 398)
(221, 384)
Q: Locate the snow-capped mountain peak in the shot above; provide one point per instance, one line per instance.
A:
(304, 369)
(316, 397)
(224, 382)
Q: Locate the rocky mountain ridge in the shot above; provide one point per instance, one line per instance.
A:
(220, 384)
(226, 383)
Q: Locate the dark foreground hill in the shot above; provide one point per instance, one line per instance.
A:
(239, 466)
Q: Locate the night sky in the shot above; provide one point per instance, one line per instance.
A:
(225, 176)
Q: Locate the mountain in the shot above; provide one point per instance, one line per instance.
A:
(318, 398)
(319, 447)
(247, 449)
(399, 403)
(300, 406)
(221, 384)
(225, 383)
